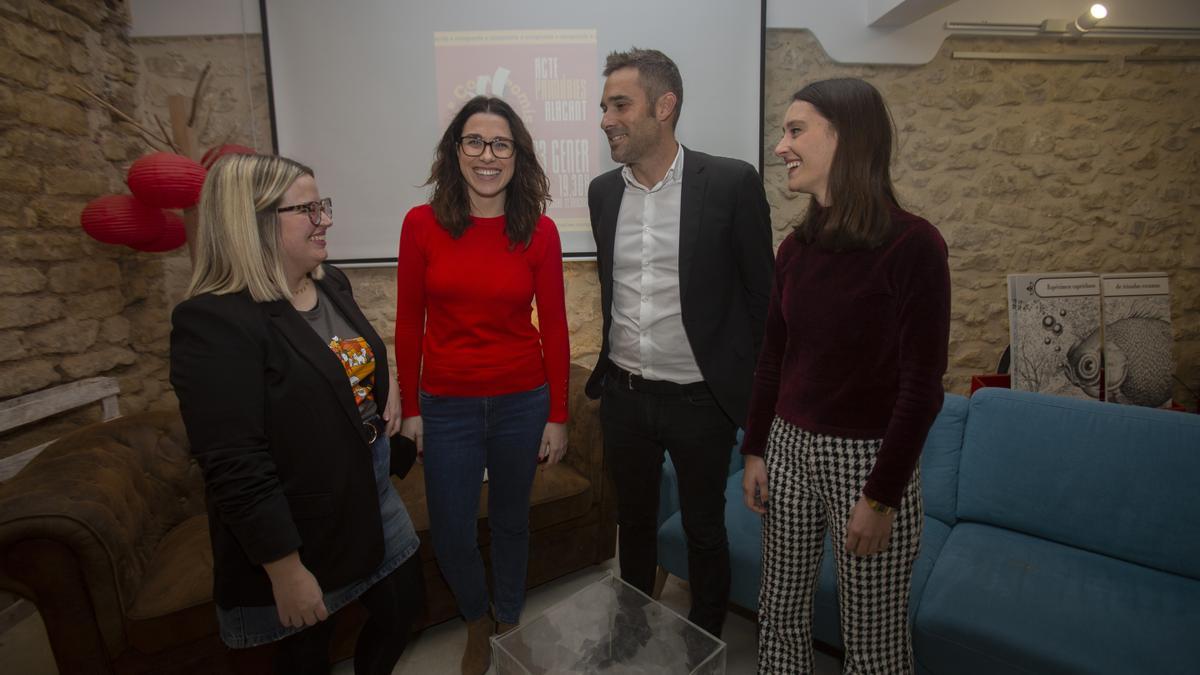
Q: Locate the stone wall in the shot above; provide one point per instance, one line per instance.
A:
(1031, 167)
(71, 308)
(1024, 166)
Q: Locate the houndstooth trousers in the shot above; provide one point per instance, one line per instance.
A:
(813, 481)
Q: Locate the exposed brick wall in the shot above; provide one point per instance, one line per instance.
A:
(70, 307)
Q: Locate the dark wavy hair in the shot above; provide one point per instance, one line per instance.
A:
(861, 194)
(528, 192)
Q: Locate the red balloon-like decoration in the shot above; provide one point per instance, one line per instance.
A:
(220, 151)
(172, 237)
(166, 180)
(121, 219)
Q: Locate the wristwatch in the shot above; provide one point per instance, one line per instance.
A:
(879, 507)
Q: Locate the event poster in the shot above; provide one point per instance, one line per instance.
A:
(551, 79)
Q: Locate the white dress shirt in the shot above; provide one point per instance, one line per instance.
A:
(647, 336)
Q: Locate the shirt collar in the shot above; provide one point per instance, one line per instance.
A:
(674, 175)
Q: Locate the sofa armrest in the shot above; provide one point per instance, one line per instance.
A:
(105, 494)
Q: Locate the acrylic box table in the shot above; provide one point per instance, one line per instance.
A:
(608, 627)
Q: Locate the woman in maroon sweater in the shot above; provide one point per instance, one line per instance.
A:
(480, 385)
(849, 380)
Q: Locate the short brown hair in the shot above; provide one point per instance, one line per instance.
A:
(656, 71)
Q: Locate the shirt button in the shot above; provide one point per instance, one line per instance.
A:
(645, 299)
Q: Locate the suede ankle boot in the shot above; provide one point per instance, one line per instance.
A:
(477, 656)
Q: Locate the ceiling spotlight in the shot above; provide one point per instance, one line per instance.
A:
(1090, 19)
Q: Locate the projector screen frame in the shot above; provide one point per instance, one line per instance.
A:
(567, 256)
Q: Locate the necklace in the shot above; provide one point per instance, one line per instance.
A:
(302, 287)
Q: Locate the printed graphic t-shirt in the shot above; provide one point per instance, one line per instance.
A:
(351, 349)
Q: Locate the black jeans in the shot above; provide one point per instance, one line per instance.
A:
(638, 426)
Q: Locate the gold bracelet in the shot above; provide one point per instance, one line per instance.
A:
(879, 507)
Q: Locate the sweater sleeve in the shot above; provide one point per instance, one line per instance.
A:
(766, 375)
(552, 319)
(410, 312)
(923, 320)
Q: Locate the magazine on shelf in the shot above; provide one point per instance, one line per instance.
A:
(1054, 333)
(1137, 339)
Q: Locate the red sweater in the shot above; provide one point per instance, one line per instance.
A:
(855, 346)
(463, 308)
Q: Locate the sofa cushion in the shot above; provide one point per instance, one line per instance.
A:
(999, 601)
(826, 615)
(559, 493)
(174, 603)
(939, 460)
(1108, 478)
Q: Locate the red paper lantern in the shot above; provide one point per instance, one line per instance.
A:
(166, 180)
(220, 151)
(172, 237)
(121, 219)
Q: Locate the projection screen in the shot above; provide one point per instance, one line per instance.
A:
(361, 91)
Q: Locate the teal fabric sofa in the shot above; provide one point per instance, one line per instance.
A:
(1061, 536)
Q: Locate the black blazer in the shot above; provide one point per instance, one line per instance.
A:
(271, 420)
(725, 269)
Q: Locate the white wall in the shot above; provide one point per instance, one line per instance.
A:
(167, 18)
(842, 25)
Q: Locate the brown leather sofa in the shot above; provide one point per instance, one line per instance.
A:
(106, 533)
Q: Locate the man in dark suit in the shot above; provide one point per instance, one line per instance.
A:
(683, 242)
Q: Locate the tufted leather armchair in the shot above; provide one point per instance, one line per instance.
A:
(107, 534)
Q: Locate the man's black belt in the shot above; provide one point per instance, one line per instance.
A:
(627, 380)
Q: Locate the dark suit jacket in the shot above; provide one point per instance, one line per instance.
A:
(725, 270)
(271, 420)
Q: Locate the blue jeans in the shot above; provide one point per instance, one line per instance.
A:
(464, 434)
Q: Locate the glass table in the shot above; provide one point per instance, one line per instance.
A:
(608, 627)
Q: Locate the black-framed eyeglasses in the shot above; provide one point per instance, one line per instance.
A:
(313, 209)
(502, 148)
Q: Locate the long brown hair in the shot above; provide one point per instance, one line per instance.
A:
(528, 191)
(861, 195)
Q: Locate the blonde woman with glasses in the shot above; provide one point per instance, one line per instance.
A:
(285, 393)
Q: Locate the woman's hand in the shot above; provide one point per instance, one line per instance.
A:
(868, 531)
(414, 428)
(298, 596)
(391, 412)
(754, 484)
(554, 443)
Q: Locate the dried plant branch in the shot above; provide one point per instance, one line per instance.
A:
(163, 128)
(126, 118)
(196, 93)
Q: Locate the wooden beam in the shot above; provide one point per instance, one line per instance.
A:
(42, 404)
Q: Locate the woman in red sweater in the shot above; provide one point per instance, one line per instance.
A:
(480, 385)
(849, 381)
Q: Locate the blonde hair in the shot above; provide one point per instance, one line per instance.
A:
(237, 240)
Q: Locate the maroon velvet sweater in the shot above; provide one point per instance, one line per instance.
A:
(855, 347)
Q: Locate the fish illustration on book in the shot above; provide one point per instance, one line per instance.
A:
(1137, 362)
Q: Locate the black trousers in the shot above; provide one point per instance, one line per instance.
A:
(641, 423)
(394, 604)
